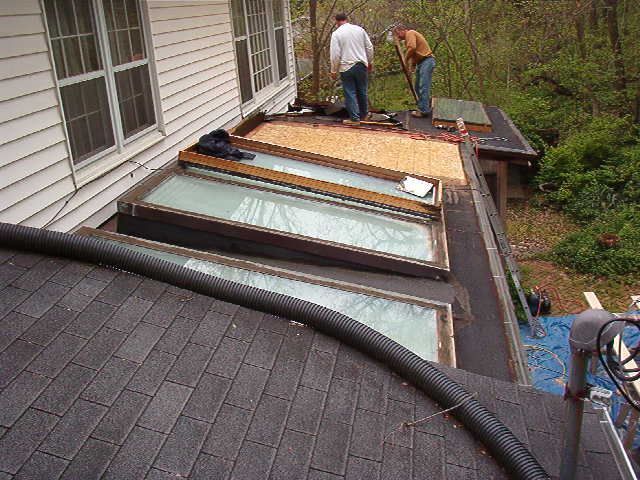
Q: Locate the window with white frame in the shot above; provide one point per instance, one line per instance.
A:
(103, 73)
(260, 44)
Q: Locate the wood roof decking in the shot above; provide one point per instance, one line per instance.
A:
(391, 150)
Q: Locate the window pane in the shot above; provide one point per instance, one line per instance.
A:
(281, 50)
(57, 57)
(259, 41)
(237, 14)
(123, 47)
(52, 21)
(119, 13)
(83, 16)
(137, 47)
(244, 74)
(79, 137)
(89, 52)
(135, 100)
(66, 17)
(87, 118)
(278, 14)
(108, 13)
(132, 13)
(126, 38)
(74, 53)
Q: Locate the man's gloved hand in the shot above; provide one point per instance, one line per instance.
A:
(334, 75)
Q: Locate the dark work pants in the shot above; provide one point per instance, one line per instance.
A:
(354, 84)
(424, 74)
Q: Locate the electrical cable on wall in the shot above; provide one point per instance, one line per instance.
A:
(614, 366)
(58, 213)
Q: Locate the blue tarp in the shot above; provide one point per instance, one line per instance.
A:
(547, 369)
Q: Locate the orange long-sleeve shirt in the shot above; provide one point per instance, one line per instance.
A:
(417, 47)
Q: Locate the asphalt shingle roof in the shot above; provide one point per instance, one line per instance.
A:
(104, 374)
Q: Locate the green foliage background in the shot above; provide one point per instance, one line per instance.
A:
(568, 74)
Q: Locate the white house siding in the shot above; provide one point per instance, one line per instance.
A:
(193, 59)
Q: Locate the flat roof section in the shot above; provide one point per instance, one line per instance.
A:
(423, 327)
(393, 150)
(329, 229)
(481, 345)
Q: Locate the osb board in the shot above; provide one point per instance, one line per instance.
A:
(392, 150)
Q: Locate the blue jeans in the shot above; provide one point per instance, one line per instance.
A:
(424, 72)
(354, 84)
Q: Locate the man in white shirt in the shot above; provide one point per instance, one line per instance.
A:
(352, 56)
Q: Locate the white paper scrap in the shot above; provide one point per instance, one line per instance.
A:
(416, 187)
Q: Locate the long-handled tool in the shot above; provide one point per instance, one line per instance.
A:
(407, 75)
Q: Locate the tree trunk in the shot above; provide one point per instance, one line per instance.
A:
(616, 46)
(579, 21)
(477, 65)
(593, 15)
(315, 61)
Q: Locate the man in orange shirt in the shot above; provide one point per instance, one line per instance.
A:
(420, 57)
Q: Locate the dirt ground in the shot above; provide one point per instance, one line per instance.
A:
(533, 231)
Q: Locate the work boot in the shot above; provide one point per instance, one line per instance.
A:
(348, 121)
(419, 114)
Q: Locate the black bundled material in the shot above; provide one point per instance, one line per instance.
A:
(217, 144)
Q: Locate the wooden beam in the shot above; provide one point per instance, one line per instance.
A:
(502, 173)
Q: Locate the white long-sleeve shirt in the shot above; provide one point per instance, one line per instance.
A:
(350, 44)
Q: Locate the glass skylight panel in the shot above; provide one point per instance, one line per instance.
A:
(299, 216)
(333, 175)
(413, 326)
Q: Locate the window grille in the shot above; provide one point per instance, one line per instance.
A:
(102, 70)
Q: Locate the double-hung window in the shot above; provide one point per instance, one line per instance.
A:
(102, 70)
(260, 44)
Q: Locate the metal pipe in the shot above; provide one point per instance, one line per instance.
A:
(574, 409)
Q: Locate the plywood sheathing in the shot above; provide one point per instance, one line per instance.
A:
(387, 149)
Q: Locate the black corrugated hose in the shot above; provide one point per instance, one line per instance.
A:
(502, 443)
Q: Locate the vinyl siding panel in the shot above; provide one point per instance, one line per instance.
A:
(174, 14)
(23, 106)
(34, 164)
(19, 45)
(199, 73)
(193, 57)
(22, 168)
(21, 25)
(166, 79)
(23, 7)
(28, 124)
(27, 146)
(24, 65)
(170, 38)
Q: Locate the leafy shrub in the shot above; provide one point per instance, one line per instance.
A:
(584, 251)
(587, 195)
(600, 142)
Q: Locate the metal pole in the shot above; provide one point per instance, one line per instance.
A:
(574, 409)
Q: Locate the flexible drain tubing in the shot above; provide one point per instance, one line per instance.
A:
(502, 443)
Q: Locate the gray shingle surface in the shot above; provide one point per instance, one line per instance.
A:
(149, 381)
